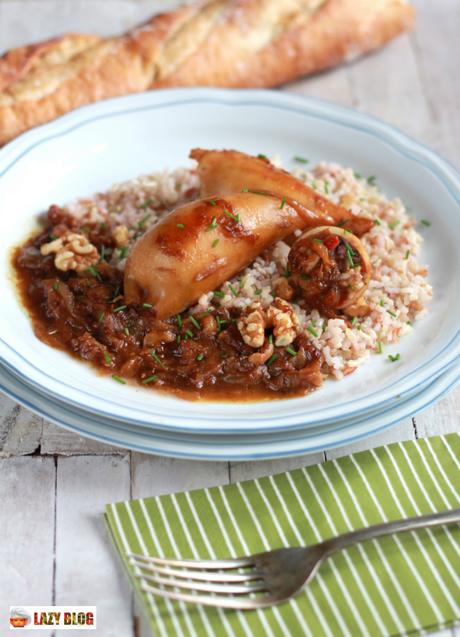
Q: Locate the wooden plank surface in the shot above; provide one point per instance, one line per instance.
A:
(52, 497)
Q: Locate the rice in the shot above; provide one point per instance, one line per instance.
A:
(398, 291)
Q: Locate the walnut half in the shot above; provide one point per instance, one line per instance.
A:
(252, 326)
(73, 252)
(282, 317)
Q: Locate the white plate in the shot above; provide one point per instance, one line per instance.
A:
(93, 147)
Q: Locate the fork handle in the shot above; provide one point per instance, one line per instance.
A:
(398, 526)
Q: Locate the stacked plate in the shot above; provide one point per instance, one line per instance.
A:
(88, 150)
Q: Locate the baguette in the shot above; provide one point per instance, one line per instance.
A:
(229, 43)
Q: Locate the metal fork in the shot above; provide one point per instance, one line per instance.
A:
(264, 579)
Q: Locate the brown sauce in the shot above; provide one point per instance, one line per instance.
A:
(196, 357)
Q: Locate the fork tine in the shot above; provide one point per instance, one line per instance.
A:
(208, 587)
(212, 565)
(208, 600)
(204, 576)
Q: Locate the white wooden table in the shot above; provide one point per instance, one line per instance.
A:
(54, 484)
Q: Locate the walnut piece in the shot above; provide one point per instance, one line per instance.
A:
(73, 252)
(121, 236)
(282, 317)
(252, 326)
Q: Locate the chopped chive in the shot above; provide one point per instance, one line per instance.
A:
(350, 255)
(102, 257)
(345, 231)
(212, 202)
(220, 322)
(291, 351)
(195, 322)
(178, 339)
(118, 379)
(392, 313)
(394, 358)
(283, 203)
(354, 320)
(234, 217)
(233, 291)
(326, 187)
(219, 294)
(200, 357)
(100, 318)
(270, 339)
(379, 347)
(143, 221)
(156, 358)
(126, 331)
(409, 323)
(271, 360)
(316, 240)
(382, 303)
(120, 308)
(150, 379)
(147, 204)
(407, 255)
(147, 306)
(301, 160)
(189, 333)
(92, 270)
(258, 291)
(179, 321)
(180, 225)
(425, 222)
(212, 225)
(371, 180)
(107, 358)
(393, 224)
(124, 252)
(103, 226)
(312, 331)
(245, 190)
(357, 175)
(377, 222)
(214, 243)
(262, 156)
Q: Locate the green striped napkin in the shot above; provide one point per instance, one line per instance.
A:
(405, 584)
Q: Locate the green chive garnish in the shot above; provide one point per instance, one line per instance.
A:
(425, 222)
(258, 291)
(120, 308)
(214, 243)
(124, 252)
(392, 313)
(291, 351)
(107, 358)
(195, 322)
(147, 306)
(92, 270)
(301, 160)
(382, 303)
(393, 224)
(371, 180)
(150, 379)
(189, 333)
(350, 255)
(180, 225)
(219, 294)
(234, 292)
(102, 253)
(377, 222)
(179, 321)
(126, 331)
(212, 202)
(379, 347)
(143, 221)
(315, 240)
(394, 358)
(261, 156)
(355, 320)
(312, 331)
(156, 358)
(212, 225)
(118, 379)
(100, 318)
(357, 175)
(271, 360)
(326, 187)
(407, 255)
(270, 339)
(200, 357)
(234, 217)
(283, 203)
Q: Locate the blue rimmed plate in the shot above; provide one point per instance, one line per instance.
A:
(93, 147)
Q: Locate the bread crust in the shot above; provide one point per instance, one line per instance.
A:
(229, 43)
